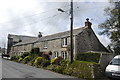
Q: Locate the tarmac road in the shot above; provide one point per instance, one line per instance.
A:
(17, 70)
(20, 71)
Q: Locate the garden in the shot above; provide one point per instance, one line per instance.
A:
(81, 68)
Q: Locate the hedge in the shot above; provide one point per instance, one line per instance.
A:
(26, 59)
(88, 56)
(82, 69)
(24, 54)
(38, 61)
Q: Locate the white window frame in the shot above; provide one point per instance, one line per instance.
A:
(64, 42)
(64, 54)
(45, 44)
(56, 54)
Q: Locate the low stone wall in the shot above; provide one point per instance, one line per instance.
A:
(105, 58)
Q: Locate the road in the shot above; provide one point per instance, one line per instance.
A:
(17, 70)
(13, 70)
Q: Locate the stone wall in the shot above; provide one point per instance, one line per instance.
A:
(88, 41)
(53, 45)
(105, 59)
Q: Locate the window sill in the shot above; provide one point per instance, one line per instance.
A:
(64, 46)
(45, 47)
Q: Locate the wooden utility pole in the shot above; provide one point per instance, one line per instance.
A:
(71, 31)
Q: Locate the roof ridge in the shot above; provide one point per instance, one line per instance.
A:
(21, 35)
(54, 35)
(65, 31)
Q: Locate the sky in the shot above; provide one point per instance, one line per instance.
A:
(29, 17)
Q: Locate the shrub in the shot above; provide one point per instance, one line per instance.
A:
(58, 69)
(35, 50)
(82, 69)
(38, 61)
(55, 68)
(64, 63)
(52, 60)
(26, 59)
(51, 67)
(31, 62)
(20, 59)
(57, 60)
(13, 58)
(45, 63)
(25, 54)
(46, 56)
(88, 56)
(40, 53)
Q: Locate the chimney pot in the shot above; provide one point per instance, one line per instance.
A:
(40, 35)
(87, 23)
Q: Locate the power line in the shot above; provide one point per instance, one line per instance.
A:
(37, 14)
(42, 19)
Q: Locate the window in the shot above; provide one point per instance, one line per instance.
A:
(55, 54)
(45, 44)
(64, 42)
(64, 54)
(115, 62)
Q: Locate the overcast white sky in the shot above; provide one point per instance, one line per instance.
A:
(28, 17)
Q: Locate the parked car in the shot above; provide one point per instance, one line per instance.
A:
(113, 69)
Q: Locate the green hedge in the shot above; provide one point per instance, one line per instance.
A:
(82, 69)
(26, 59)
(88, 56)
(24, 54)
(38, 61)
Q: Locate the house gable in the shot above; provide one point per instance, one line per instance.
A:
(88, 41)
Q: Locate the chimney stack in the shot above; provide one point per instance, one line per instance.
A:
(87, 23)
(40, 35)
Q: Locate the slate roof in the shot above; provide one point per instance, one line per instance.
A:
(53, 36)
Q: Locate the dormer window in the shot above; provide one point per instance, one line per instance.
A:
(64, 42)
(45, 44)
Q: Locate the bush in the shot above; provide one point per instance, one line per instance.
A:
(55, 68)
(64, 63)
(57, 60)
(82, 69)
(26, 59)
(20, 59)
(88, 56)
(46, 56)
(31, 62)
(58, 69)
(38, 61)
(52, 60)
(13, 58)
(35, 50)
(51, 67)
(45, 63)
(25, 54)
(40, 53)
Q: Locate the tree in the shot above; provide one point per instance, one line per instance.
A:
(111, 27)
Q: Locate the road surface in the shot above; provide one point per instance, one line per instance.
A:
(17, 70)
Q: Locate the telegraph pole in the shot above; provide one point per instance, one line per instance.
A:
(71, 31)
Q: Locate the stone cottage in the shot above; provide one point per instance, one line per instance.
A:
(84, 39)
(14, 39)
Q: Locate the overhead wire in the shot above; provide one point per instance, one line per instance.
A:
(35, 14)
(41, 20)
